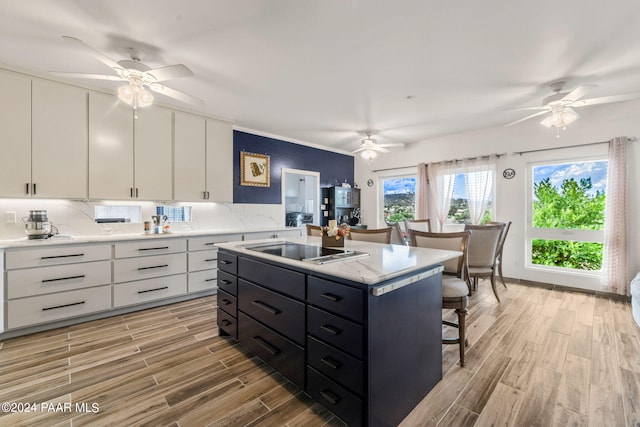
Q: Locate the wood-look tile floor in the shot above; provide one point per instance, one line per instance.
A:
(540, 357)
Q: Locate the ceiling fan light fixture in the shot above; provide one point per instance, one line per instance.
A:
(135, 96)
(368, 154)
(560, 119)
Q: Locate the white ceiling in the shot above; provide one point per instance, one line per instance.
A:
(319, 71)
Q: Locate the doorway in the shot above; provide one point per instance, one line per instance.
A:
(300, 197)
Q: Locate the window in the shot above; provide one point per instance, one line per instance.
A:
(399, 197)
(175, 213)
(567, 215)
(459, 209)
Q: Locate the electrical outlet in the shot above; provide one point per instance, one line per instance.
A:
(10, 217)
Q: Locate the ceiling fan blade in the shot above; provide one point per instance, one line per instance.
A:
(172, 93)
(607, 99)
(87, 76)
(170, 72)
(391, 144)
(539, 113)
(96, 53)
(380, 149)
(360, 149)
(578, 92)
(540, 107)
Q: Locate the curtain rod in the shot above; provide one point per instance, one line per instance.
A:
(631, 139)
(442, 161)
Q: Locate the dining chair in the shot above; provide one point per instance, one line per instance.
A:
(483, 247)
(455, 286)
(314, 230)
(397, 236)
(417, 224)
(506, 225)
(377, 235)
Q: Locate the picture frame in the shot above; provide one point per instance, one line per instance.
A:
(255, 169)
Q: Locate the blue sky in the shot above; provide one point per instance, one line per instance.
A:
(597, 170)
(398, 186)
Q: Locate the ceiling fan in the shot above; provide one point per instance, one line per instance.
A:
(369, 148)
(560, 106)
(137, 75)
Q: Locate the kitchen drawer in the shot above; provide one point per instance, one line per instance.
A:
(338, 400)
(149, 290)
(203, 260)
(129, 269)
(338, 366)
(203, 280)
(279, 279)
(55, 255)
(278, 312)
(336, 331)
(335, 297)
(46, 280)
(47, 308)
(208, 242)
(228, 303)
(153, 246)
(227, 282)
(227, 323)
(280, 353)
(228, 263)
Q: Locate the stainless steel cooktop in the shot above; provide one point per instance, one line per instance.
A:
(307, 253)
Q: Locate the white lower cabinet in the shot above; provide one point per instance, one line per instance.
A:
(205, 280)
(142, 291)
(130, 269)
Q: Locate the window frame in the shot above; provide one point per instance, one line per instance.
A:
(380, 195)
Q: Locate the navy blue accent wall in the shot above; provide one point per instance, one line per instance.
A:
(334, 168)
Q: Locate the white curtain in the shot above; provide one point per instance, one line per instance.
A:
(614, 254)
(421, 192)
(479, 179)
(441, 179)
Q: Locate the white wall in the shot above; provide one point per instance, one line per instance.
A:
(598, 123)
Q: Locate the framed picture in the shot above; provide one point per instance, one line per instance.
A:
(254, 169)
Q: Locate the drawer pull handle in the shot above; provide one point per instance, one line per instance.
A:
(333, 364)
(153, 290)
(222, 261)
(331, 329)
(211, 280)
(63, 306)
(331, 297)
(225, 281)
(152, 267)
(266, 345)
(225, 322)
(212, 259)
(60, 256)
(210, 243)
(330, 397)
(266, 307)
(154, 249)
(63, 278)
(226, 301)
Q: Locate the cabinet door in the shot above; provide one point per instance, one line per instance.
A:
(110, 148)
(189, 157)
(152, 154)
(15, 135)
(59, 141)
(219, 161)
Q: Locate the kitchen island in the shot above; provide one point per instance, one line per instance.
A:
(360, 335)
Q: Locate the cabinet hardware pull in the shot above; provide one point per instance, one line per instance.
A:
(225, 322)
(225, 262)
(266, 345)
(226, 301)
(26, 187)
(329, 397)
(34, 188)
(63, 306)
(266, 307)
(212, 279)
(225, 281)
(210, 243)
(331, 297)
(212, 259)
(153, 290)
(60, 256)
(330, 362)
(136, 192)
(154, 249)
(63, 278)
(331, 329)
(131, 192)
(152, 267)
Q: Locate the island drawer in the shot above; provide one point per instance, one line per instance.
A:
(280, 353)
(278, 312)
(130, 269)
(227, 302)
(279, 279)
(203, 260)
(341, 402)
(55, 255)
(228, 262)
(336, 331)
(335, 297)
(227, 282)
(149, 247)
(227, 323)
(340, 367)
(205, 280)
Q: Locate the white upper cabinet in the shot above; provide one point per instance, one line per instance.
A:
(219, 161)
(15, 135)
(152, 155)
(189, 157)
(59, 141)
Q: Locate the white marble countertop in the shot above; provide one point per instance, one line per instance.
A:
(384, 262)
(106, 238)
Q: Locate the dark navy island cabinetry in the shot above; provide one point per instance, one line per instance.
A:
(368, 353)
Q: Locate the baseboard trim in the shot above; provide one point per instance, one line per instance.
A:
(551, 286)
